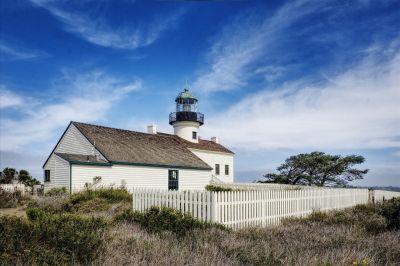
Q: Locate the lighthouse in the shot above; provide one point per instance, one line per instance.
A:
(186, 120)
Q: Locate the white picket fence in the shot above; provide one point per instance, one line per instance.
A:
(246, 208)
(13, 187)
(261, 186)
(381, 195)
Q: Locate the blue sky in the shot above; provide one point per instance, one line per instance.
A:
(274, 78)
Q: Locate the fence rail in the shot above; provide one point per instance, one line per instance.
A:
(245, 208)
(261, 186)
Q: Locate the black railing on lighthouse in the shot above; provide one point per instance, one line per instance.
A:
(186, 116)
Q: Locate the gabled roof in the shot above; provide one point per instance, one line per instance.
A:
(125, 146)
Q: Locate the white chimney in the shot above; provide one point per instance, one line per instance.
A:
(152, 129)
(215, 139)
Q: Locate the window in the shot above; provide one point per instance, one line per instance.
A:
(226, 169)
(173, 179)
(46, 175)
(194, 135)
(217, 169)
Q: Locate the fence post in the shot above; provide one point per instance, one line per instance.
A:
(214, 206)
(371, 196)
(133, 201)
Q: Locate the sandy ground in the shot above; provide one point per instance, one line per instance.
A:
(13, 211)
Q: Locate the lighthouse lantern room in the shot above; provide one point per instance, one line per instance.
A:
(186, 120)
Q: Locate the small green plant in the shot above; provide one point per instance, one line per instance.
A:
(215, 188)
(391, 211)
(164, 219)
(317, 216)
(34, 214)
(56, 192)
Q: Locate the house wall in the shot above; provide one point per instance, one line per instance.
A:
(59, 173)
(74, 142)
(137, 177)
(212, 158)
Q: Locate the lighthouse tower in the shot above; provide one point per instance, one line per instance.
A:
(186, 120)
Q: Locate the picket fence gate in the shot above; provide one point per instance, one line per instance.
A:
(239, 209)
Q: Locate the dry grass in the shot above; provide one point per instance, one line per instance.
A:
(297, 243)
(128, 244)
(364, 235)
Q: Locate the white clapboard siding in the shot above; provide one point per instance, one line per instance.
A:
(239, 209)
(14, 187)
(212, 158)
(381, 195)
(131, 177)
(74, 142)
(59, 173)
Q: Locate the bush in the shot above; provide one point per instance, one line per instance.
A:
(50, 239)
(391, 211)
(112, 195)
(164, 219)
(50, 204)
(35, 214)
(56, 192)
(10, 199)
(217, 188)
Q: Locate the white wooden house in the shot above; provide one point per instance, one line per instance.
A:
(112, 156)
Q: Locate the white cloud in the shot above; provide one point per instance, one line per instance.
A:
(244, 42)
(356, 109)
(10, 52)
(85, 97)
(94, 28)
(8, 98)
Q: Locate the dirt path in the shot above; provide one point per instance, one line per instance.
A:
(13, 212)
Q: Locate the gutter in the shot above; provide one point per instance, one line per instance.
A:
(111, 163)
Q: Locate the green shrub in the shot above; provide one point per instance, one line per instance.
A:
(215, 188)
(164, 219)
(391, 211)
(112, 195)
(56, 192)
(50, 239)
(34, 214)
(92, 205)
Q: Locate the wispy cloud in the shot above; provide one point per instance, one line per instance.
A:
(244, 42)
(9, 99)
(86, 97)
(94, 28)
(9, 52)
(358, 108)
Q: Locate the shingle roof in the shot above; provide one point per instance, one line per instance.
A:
(80, 158)
(125, 146)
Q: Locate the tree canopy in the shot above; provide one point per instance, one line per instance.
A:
(9, 174)
(318, 169)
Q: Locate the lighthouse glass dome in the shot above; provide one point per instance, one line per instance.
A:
(186, 102)
(186, 109)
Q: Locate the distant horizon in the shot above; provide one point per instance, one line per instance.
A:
(274, 79)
